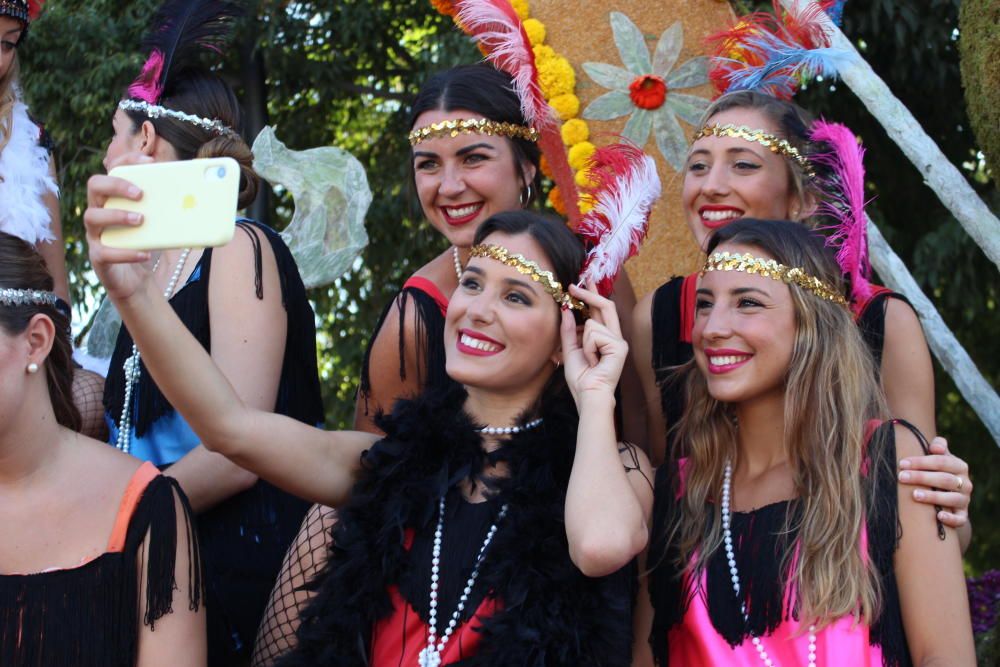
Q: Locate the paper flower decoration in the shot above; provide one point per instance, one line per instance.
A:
(645, 89)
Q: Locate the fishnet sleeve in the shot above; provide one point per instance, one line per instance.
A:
(88, 396)
(306, 556)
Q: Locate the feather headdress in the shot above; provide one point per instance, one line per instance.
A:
(842, 181)
(500, 33)
(626, 186)
(182, 28)
(775, 53)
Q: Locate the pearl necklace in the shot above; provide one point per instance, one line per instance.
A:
(458, 262)
(727, 539)
(509, 430)
(431, 655)
(131, 366)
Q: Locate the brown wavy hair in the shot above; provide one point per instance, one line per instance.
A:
(21, 267)
(831, 392)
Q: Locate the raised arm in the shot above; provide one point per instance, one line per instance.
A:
(932, 592)
(311, 463)
(610, 495)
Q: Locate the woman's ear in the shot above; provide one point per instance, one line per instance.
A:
(40, 334)
(528, 172)
(149, 137)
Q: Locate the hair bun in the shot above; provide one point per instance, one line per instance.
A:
(236, 148)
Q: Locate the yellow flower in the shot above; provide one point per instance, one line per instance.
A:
(543, 54)
(567, 106)
(574, 131)
(521, 7)
(556, 77)
(580, 154)
(584, 181)
(535, 30)
(556, 202)
(586, 204)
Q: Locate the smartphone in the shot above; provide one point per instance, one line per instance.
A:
(185, 204)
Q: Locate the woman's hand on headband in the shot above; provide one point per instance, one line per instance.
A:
(121, 271)
(941, 479)
(593, 354)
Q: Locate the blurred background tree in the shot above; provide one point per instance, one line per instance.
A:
(342, 73)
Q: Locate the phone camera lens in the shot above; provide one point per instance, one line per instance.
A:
(221, 173)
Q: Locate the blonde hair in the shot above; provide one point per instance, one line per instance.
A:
(831, 392)
(8, 97)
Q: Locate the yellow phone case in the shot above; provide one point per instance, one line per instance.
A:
(185, 204)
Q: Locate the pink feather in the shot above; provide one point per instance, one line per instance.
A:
(146, 86)
(626, 188)
(501, 35)
(844, 187)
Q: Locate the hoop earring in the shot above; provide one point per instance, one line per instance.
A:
(525, 197)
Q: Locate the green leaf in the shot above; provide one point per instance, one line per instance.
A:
(692, 73)
(670, 138)
(638, 126)
(609, 76)
(689, 107)
(668, 49)
(631, 44)
(609, 106)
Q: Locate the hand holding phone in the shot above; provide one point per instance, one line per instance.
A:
(185, 204)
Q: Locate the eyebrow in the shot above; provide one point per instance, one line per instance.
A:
(737, 291)
(733, 149)
(509, 281)
(12, 31)
(460, 152)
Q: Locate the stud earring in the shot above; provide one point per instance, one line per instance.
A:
(32, 368)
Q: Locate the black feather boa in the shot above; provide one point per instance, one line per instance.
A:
(551, 613)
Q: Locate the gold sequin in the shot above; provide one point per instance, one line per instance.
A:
(769, 141)
(768, 268)
(531, 269)
(453, 128)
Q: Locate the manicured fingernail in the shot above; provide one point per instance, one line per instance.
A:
(905, 463)
(904, 476)
(135, 218)
(134, 191)
(919, 495)
(145, 256)
(942, 516)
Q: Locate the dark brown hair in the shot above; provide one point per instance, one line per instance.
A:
(204, 94)
(21, 267)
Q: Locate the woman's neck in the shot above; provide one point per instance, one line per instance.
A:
(761, 436)
(492, 409)
(29, 444)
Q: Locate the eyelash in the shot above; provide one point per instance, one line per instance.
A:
(8, 46)
(747, 301)
(701, 304)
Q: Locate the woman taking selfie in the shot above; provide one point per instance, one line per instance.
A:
(780, 535)
(98, 562)
(471, 527)
(243, 302)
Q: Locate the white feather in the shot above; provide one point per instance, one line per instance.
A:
(24, 181)
(504, 41)
(627, 207)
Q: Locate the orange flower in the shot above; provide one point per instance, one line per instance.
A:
(446, 7)
(648, 91)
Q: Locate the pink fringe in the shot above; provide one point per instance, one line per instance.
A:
(844, 187)
(147, 86)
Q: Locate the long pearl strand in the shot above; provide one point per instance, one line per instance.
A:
(431, 655)
(509, 430)
(458, 262)
(727, 539)
(131, 366)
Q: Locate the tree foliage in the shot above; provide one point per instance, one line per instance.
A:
(343, 72)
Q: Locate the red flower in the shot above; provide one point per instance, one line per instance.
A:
(648, 91)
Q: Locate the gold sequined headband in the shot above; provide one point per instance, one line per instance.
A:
(529, 268)
(747, 263)
(771, 142)
(453, 128)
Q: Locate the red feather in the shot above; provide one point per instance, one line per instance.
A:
(625, 188)
(35, 8)
(501, 35)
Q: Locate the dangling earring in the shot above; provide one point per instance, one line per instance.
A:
(525, 197)
(32, 368)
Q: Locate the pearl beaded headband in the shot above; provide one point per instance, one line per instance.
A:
(32, 297)
(157, 111)
(453, 128)
(747, 263)
(531, 269)
(769, 141)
